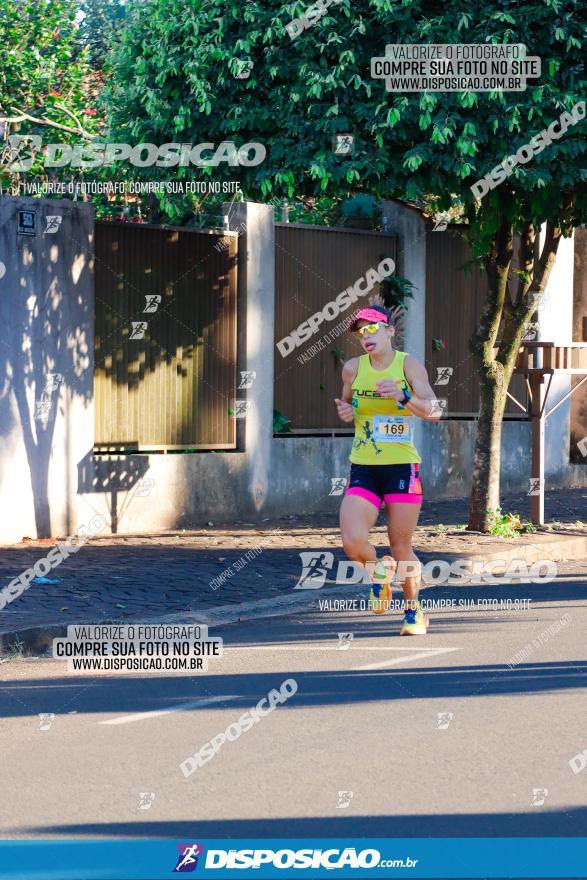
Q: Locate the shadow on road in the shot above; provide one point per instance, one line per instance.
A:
(546, 823)
(315, 689)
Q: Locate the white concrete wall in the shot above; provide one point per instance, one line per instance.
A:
(555, 324)
(46, 327)
(256, 288)
(411, 230)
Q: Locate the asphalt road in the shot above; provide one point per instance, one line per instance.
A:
(426, 737)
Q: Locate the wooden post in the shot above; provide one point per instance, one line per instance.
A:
(537, 469)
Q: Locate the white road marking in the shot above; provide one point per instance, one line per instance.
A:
(397, 660)
(180, 707)
(208, 701)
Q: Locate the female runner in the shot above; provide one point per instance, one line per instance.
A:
(384, 390)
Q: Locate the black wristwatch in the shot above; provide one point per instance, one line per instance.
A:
(407, 396)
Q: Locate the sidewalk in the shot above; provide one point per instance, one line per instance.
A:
(145, 578)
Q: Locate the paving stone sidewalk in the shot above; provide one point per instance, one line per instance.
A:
(123, 578)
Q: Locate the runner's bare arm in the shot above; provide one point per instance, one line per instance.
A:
(424, 402)
(344, 405)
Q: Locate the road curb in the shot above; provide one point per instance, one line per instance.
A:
(37, 640)
(528, 548)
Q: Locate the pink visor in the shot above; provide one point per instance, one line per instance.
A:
(367, 315)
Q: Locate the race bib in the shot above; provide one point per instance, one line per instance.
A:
(392, 429)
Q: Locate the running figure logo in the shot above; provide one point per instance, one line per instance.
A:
(146, 799)
(53, 381)
(247, 378)
(46, 720)
(53, 222)
(368, 439)
(338, 485)
(444, 719)
(138, 329)
(343, 144)
(444, 374)
(539, 795)
(153, 301)
(145, 487)
(315, 568)
(536, 486)
(42, 409)
(188, 857)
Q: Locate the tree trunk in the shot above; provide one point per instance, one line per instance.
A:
(485, 486)
(486, 458)
(495, 361)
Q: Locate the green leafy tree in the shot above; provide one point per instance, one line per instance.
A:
(178, 78)
(43, 77)
(99, 28)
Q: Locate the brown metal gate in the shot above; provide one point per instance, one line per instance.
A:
(165, 346)
(313, 264)
(454, 303)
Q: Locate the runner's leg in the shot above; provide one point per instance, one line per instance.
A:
(402, 520)
(358, 515)
(357, 518)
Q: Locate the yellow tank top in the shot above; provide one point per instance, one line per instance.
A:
(384, 433)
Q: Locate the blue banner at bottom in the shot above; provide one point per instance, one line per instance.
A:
(367, 858)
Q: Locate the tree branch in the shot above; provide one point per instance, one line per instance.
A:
(527, 253)
(27, 116)
(71, 115)
(526, 306)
